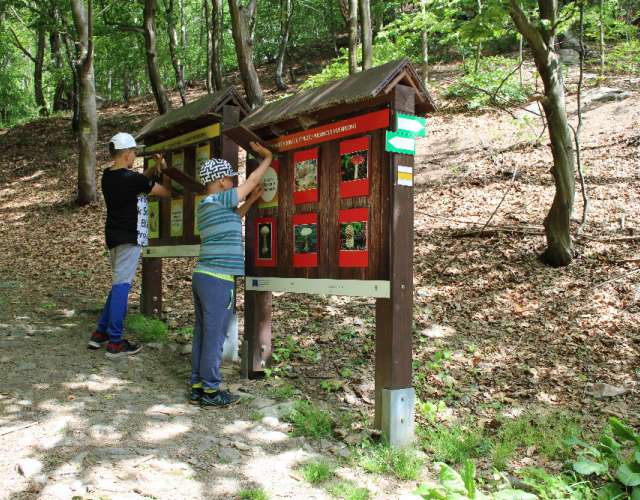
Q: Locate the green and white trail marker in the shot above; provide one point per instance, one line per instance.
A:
(411, 125)
(398, 142)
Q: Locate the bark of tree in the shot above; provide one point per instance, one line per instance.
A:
(216, 42)
(38, 63)
(178, 68)
(242, 25)
(366, 34)
(285, 30)
(601, 37)
(155, 79)
(353, 36)
(479, 46)
(88, 130)
(541, 38)
(55, 42)
(425, 42)
(209, 30)
(75, 93)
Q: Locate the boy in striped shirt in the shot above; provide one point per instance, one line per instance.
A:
(221, 259)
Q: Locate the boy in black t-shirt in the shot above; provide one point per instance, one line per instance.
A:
(125, 193)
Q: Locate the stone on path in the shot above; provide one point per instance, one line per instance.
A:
(229, 455)
(29, 467)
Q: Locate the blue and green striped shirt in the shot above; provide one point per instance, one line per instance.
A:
(221, 249)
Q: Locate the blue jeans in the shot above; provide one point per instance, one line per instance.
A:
(213, 301)
(124, 261)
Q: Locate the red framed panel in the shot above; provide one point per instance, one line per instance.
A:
(305, 240)
(354, 167)
(354, 236)
(266, 242)
(305, 176)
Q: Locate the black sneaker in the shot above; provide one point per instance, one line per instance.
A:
(218, 399)
(122, 349)
(97, 340)
(196, 395)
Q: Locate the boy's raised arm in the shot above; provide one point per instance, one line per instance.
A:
(253, 197)
(254, 179)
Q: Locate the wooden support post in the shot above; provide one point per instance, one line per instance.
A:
(256, 349)
(151, 298)
(394, 316)
(230, 117)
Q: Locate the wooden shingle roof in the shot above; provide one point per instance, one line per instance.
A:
(194, 115)
(359, 87)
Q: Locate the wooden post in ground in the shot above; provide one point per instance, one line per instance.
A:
(151, 298)
(394, 391)
(256, 347)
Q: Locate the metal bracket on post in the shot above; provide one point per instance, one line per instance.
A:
(397, 417)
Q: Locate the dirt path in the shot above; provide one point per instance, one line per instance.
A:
(82, 426)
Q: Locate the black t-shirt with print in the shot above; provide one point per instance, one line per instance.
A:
(127, 210)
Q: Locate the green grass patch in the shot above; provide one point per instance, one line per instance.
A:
(282, 391)
(454, 443)
(382, 459)
(256, 415)
(307, 420)
(317, 472)
(347, 491)
(147, 329)
(624, 58)
(553, 486)
(253, 494)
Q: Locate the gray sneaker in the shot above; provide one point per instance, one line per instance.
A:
(219, 399)
(122, 349)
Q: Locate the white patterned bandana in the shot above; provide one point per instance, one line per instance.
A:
(215, 169)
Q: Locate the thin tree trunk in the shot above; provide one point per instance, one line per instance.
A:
(173, 51)
(521, 58)
(55, 42)
(88, 131)
(366, 34)
(155, 78)
(601, 37)
(353, 36)
(557, 224)
(209, 30)
(241, 24)
(578, 131)
(217, 17)
(37, 71)
(425, 42)
(285, 27)
(479, 46)
(126, 85)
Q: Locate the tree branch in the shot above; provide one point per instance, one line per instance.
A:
(19, 45)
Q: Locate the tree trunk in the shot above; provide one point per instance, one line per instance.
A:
(88, 130)
(353, 36)
(425, 43)
(217, 18)
(241, 24)
(155, 79)
(55, 41)
(37, 71)
(601, 37)
(366, 34)
(479, 46)
(285, 29)
(173, 50)
(559, 251)
(126, 85)
(209, 30)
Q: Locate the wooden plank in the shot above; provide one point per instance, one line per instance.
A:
(242, 136)
(257, 331)
(184, 179)
(171, 251)
(394, 315)
(348, 288)
(229, 147)
(151, 298)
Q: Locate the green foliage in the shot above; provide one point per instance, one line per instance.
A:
(253, 494)
(382, 459)
(624, 58)
(317, 472)
(348, 491)
(454, 443)
(555, 486)
(331, 385)
(147, 329)
(496, 83)
(307, 420)
(282, 391)
(460, 486)
(616, 459)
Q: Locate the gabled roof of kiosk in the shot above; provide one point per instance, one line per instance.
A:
(196, 113)
(355, 88)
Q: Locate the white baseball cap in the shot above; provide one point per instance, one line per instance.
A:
(122, 140)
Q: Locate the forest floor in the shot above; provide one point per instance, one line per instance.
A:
(498, 336)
